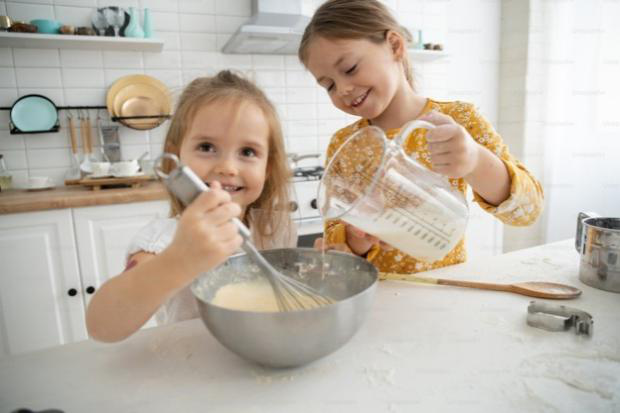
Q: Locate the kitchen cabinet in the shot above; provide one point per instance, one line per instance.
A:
(103, 233)
(53, 261)
(40, 292)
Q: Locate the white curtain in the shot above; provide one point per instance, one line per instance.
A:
(572, 106)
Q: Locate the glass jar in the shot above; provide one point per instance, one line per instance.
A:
(5, 176)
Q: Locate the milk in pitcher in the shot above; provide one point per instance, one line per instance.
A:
(428, 235)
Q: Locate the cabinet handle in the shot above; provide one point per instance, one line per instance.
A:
(72, 292)
(90, 289)
(313, 204)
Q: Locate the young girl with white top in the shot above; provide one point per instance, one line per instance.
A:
(227, 131)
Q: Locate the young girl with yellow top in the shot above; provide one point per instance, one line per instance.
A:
(357, 52)
(227, 131)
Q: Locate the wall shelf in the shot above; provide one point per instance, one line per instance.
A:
(62, 41)
(421, 55)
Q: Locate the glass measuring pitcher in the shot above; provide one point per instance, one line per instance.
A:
(372, 184)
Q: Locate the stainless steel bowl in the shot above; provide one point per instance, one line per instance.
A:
(598, 244)
(288, 339)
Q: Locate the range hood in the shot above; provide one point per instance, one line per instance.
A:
(276, 27)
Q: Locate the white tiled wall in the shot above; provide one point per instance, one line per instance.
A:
(560, 79)
(194, 31)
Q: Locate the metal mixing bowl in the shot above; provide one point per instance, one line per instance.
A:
(288, 339)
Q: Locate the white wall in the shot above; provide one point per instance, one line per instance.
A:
(582, 151)
(194, 31)
(558, 108)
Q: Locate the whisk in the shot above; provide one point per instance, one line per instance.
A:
(290, 294)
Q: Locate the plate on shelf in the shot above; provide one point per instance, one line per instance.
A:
(139, 95)
(141, 99)
(34, 113)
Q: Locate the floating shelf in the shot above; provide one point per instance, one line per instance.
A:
(66, 41)
(422, 55)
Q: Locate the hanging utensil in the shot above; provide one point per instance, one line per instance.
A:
(110, 144)
(89, 138)
(101, 140)
(85, 166)
(539, 289)
(73, 172)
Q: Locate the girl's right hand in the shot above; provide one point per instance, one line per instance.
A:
(359, 241)
(205, 235)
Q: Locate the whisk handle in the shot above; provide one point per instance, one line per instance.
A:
(186, 186)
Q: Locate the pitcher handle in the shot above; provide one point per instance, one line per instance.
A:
(580, 218)
(409, 127)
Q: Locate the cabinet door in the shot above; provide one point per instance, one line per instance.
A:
(40, 291)
(103, 234)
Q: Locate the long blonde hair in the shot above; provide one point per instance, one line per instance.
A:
(274, 200)
(354, 19)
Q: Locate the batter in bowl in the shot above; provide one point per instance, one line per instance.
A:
(256, 295)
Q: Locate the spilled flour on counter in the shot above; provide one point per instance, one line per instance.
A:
(380, 376)
(386, 349)
(595, 373)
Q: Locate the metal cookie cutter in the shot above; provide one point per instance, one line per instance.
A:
(559, 318)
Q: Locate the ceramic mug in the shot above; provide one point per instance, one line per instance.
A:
(101, 168)
(125, 168)
(38, 182)
(46, 25)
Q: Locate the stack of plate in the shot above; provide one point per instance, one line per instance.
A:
(139, 95)
(34, 114)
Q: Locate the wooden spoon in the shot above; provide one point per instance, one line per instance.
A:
(85, 166)
(540, 289)
(74, 172)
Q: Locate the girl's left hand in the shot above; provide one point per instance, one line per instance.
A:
(454, 153)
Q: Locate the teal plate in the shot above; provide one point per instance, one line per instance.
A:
(34, 113)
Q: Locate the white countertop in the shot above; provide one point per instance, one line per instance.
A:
(423, 348)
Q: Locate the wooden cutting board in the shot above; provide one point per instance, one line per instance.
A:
(111, 182)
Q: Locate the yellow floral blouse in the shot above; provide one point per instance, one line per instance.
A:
(523, 206)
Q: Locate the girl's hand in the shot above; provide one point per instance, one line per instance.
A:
(454, 153)
(206, 236)
(358, 242)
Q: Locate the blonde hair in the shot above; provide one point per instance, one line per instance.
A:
(354, 19)
(274, 199)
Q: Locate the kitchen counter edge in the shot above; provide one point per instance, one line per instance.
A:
(21, 200)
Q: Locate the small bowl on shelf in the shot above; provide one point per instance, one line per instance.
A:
(47, 26)
(67, 29)
(22, 27)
